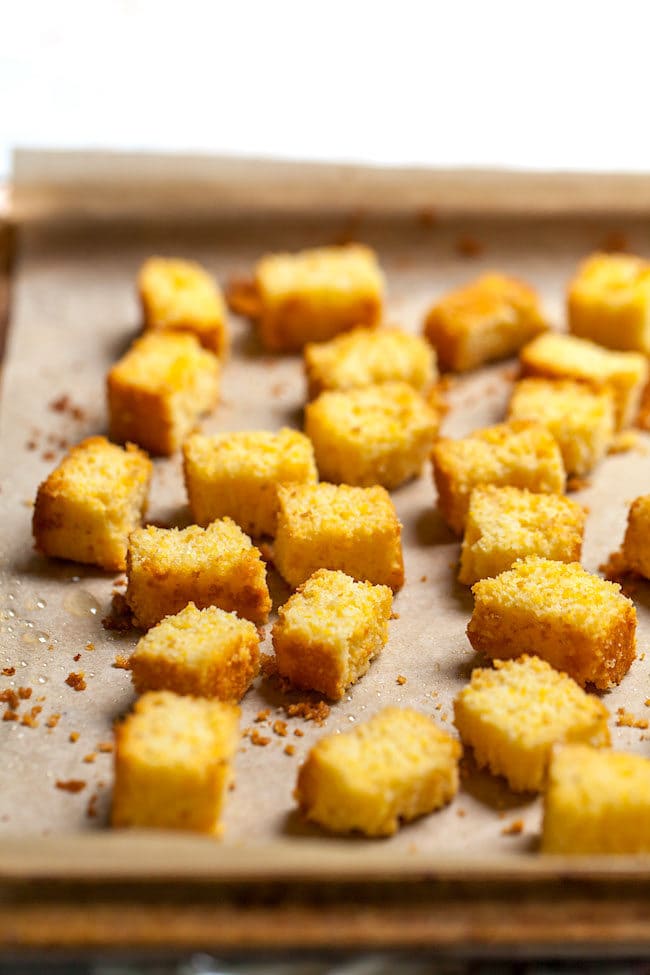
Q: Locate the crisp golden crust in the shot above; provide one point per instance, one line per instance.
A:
(329, 631)
(576, 621)
(608, 302)
(238, 474)
(396, 767)
(512, 717)
(491, 318)
(218, 566)
(597, 801)
(87, 507)
(366, 357)
(520, 454)
(315, 294)
(636, 545)
(205, 653)
(172, 762)
(327, 526)
(159, 389)
(181, 295)
(374, 435)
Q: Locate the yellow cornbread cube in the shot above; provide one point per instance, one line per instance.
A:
(313, 295)
(237, 474)
(159, 389)
(507, 523)
(88, 506)
(512, 717)
(329, 631)
(374, 435)
(575, 620)
(167, 568)
(328, 526)
(204, 652)
(580, 418)
(555, 356)
(397, 766)
(609, 302)
(181, 295)
(172, 762)
(366, 356)
(597, 801)
(491, 318)
(636, 545)
(520, 454)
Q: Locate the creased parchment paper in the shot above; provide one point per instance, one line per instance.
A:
(74, 313)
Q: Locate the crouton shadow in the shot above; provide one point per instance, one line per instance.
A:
(491, 790)
(429, 528)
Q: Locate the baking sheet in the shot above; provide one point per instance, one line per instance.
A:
(74, 313)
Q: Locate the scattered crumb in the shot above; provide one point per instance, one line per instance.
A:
(443, 716)
(514, 828)
(278, 389)
(647, 702)
(105, 747)
(90, 646)
(8, 671)
(77, 657)
(577, 483)
(622, 442)
(24, 693)
(310, 712)
(91, 808)
(74, 736)
(289, 749)
(29, 719)
(53, 720)
(76, 681)
(401, 679)
(257, 739)
(70, 785)
(122, 662)
(468, 246)
(10, 716)
(89, 758)
(48, 455)
(461, 813)
(10, 698)
(423, 578)
(299, 733)
(626, 720)
(280, 728)
(262, 715)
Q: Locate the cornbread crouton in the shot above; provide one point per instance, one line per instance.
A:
(581, 419)
(513, 716)
(87, 507)
(158, 390)
(313, 295)
(327, 526)
(374, 435)
(237, 474)
(609, 302)
(181, 295)
(397, 766)
(520, 454)
(204, 652)
(491, 318)
(636, 545)
(167, 568)
(507, 523)
(554, 356)
(329, 631)
(576, 621)
(172, 762)
(596, 802)
(367, 356)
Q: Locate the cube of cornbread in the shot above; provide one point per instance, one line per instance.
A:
(167, 568)
(554, 356)
(366, 356)
(237, 474)
(158, 390)
(609, 302)
(181, 295)
(580, 418)
(507, 523)
(88, 506)
(374, 435)
(636, 545)
(576, 621)
(491, 318)
(520, 454)
(313, 295)
(329, 631)
(328, 526)
(513, 716)
(204, 652)
(172, 762)
(597, 801)
(397, 766)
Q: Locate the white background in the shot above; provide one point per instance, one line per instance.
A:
(553, 84)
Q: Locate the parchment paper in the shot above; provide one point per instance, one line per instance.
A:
(74, 313)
